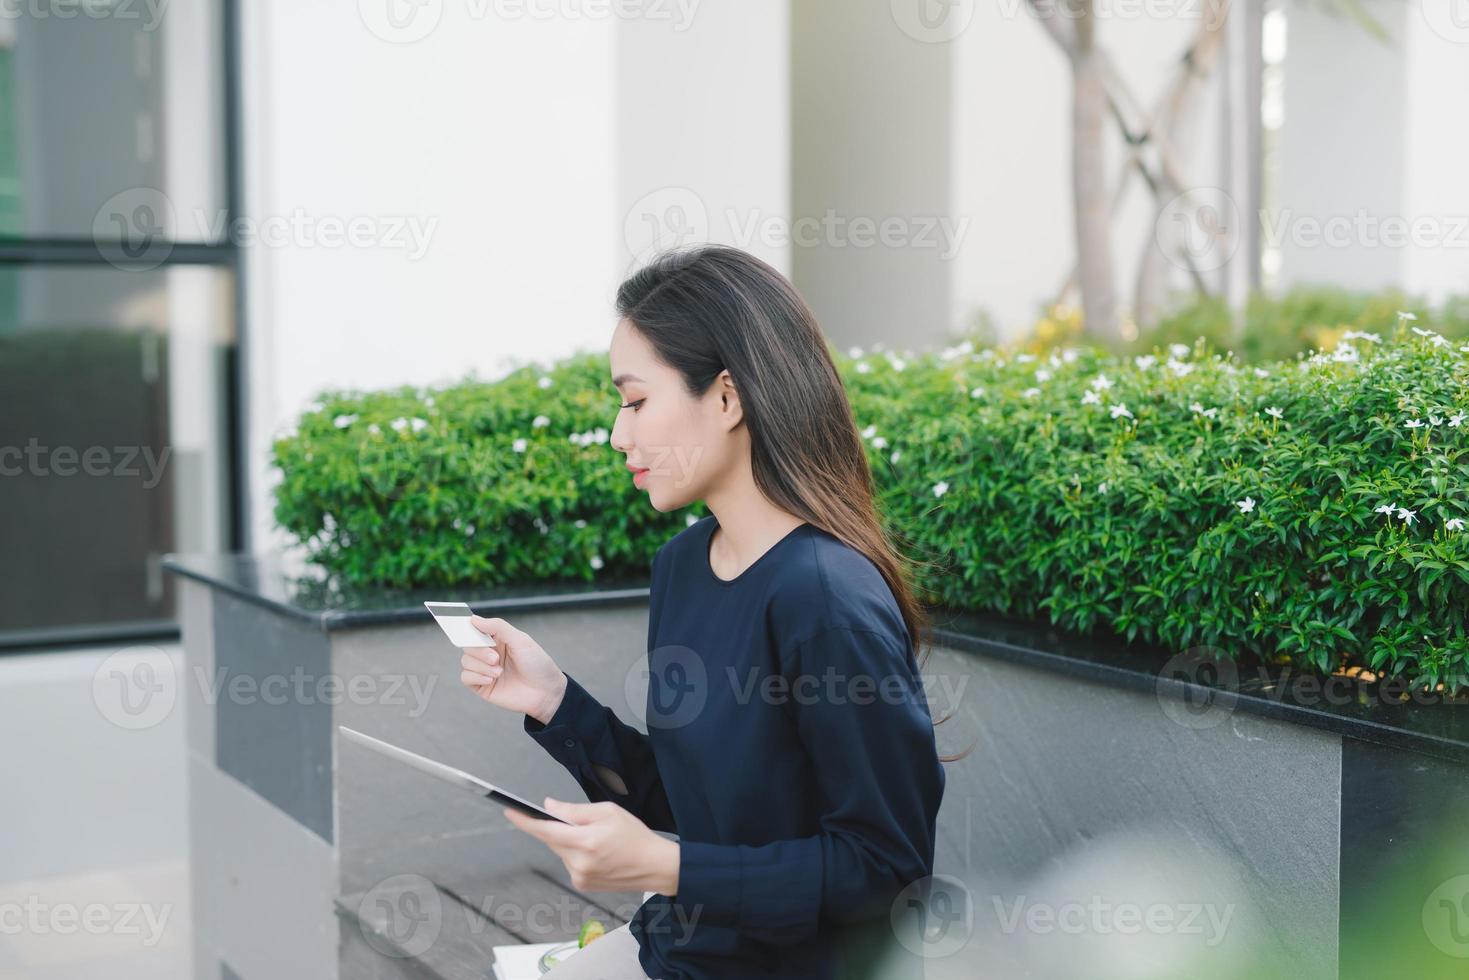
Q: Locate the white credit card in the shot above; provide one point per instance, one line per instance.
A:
(453, 619)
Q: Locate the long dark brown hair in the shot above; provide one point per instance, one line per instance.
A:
(711, 308)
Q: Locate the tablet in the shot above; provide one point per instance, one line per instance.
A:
(448, 774)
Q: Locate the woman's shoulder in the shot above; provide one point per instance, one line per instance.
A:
(825, 583)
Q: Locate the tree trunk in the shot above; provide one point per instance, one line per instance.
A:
(1089, 193)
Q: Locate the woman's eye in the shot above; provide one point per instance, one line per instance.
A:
(634, 405)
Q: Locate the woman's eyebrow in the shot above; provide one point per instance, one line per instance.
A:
(623, 379)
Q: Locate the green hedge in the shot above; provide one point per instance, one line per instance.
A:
(1180, 499)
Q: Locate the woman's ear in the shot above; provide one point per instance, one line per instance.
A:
(729, 398)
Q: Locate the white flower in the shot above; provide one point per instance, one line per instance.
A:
(374, 429)
(1420, 331)
(855, 353)
(1414, 423)
(1408, 516)
(599, 436)
(1406, 316)
(1042, 374)
(1344, 352)
(1030, 392)
(894, 457)
(898, 363)
(596, 562)
(879, 443)
(1101, 383)
(1144, 361)
(579, 523)
(1361, 335)
(1388, 509)
(976, 392)
(429, 401)
(940, 488)
(869, 432)
(1068, 355)
(1180, 350)
(1435, 420)
(1454, 524)
(418, 425)
(540, 422)
(1274, 412)
(690, 520)
(1196, 407)
(469, 530)
(545, 382)
(518, 445)
(1457, 419)
(1439, 340)
(1180, 368)
(1024, 358)
(1261, 373)
(342, 421)
(399, 424)
(1120, 411)
(863, 367)
(1102, 487)
(1246, 505)
(1091, 398)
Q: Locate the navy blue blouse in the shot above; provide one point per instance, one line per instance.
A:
(789, 746)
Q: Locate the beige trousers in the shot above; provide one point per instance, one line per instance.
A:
(611, 957)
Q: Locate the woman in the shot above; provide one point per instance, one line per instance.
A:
(790, 745)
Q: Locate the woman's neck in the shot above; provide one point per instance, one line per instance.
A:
(748, 526)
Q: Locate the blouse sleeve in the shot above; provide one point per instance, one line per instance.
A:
(871, 742)
(582, 733)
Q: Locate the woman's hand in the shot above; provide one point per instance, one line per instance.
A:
(515, 673)
(608, 849)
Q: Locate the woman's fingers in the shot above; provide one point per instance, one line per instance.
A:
(470, 679)
(483, 655)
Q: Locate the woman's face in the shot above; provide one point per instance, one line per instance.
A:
(684, 445)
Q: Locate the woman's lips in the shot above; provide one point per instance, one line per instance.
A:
(638, 474)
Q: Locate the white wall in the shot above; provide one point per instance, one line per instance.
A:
(1374, 135)
(519, 142)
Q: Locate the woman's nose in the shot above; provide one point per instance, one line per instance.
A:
(618, 440)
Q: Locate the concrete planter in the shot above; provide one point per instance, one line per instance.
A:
(1107, 823)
